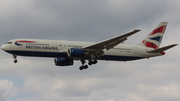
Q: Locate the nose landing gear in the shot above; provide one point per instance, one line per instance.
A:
(15, 58)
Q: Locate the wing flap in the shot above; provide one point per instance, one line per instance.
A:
(162, 49)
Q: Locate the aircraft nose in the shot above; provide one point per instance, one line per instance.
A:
(3, 47)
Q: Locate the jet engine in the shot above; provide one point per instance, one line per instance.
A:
(77, 53)
(63, 62)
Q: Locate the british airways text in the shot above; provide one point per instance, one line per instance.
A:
(41, 47)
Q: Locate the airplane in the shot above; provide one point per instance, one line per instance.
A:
(65, 52)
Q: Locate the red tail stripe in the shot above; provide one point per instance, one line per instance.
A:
(149, 44)
(158, 30)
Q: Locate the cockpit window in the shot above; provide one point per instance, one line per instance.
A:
(8, 42)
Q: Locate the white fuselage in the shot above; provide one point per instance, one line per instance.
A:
(58, 49)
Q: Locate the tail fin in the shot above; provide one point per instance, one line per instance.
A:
(153, 40)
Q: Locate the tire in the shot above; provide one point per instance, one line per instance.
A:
(86, 66)
(81, 68)
(15, 61)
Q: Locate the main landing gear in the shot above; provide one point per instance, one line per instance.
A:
(86, 66)
(92, 62)
(15, 58)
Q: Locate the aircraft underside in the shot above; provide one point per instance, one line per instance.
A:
(64, 55)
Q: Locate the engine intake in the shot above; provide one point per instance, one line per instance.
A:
(63, 62)
(77, 53)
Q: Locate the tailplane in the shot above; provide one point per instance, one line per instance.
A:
(153, 40)
(162, 49)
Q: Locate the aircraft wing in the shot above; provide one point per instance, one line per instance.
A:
(110, 43)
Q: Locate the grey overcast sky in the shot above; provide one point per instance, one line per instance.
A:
(38, 79)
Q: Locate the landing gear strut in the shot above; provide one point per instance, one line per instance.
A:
(15, 58)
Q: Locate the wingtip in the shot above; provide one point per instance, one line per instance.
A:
(175, 44)
(137, 30)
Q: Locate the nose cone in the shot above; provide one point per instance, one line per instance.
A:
(3, 47)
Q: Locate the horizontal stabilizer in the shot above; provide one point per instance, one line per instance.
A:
(162, 49)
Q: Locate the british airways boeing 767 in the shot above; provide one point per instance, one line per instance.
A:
(65, 52)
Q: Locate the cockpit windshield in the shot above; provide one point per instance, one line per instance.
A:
(8, 43)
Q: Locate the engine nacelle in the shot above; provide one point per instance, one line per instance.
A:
(77, 53)
(63, 62)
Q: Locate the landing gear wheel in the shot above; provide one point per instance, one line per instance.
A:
(15, 61)
(95, 61)
(81, 68)
(15, 58)
(85, 67)
(90, 63)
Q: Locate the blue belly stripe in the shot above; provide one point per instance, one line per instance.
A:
(64, 55)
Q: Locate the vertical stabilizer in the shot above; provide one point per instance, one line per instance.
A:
(153, 40)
